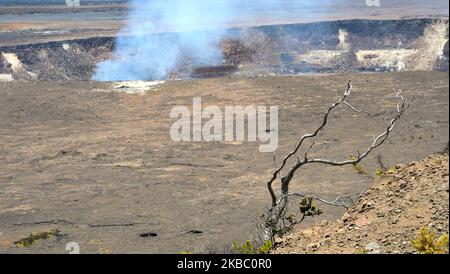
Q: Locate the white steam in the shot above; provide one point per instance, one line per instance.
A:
(160, 33)
(163, 35)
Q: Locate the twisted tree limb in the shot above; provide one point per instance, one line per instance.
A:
(278, 205)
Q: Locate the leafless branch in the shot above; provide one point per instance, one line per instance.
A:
(278, 208)
(302, 140)
(331, 203)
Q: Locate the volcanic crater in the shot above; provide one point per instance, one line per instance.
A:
(323, 47)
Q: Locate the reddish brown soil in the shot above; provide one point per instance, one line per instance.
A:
(389, 214)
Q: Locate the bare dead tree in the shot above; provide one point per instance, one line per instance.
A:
(276, 221)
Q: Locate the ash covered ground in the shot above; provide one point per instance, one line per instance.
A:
(101, 167)
(95, 161)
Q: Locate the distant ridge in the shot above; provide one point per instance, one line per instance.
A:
(55, 2)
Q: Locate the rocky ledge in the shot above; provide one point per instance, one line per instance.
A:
(388, 217)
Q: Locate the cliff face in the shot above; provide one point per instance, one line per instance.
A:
(336, 46)
(388, 216)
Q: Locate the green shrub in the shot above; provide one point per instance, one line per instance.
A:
(379, 172)
(33, 238)
(248, 247)
(427, 243)
(309, 208)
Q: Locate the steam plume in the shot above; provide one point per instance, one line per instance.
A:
(162, 35)
(192, 29)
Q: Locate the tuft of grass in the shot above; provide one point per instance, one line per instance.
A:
(248, 247)
(391, 170)
(33, 238)
(358, 167)
(379, 172)
(362, 251)
(185, 252)
(427, 243)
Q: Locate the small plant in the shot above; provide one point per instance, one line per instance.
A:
(379, 172)
(185, 252)
(286, 225)
(358, 167)
(362, 251)
(308, 207)
(382, 172)
(391, 170)
(427, 243)
(33, 238)
(248, 247)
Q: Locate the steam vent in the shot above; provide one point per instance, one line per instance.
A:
(325, 47)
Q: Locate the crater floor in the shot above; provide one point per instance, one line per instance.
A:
(100, 166)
